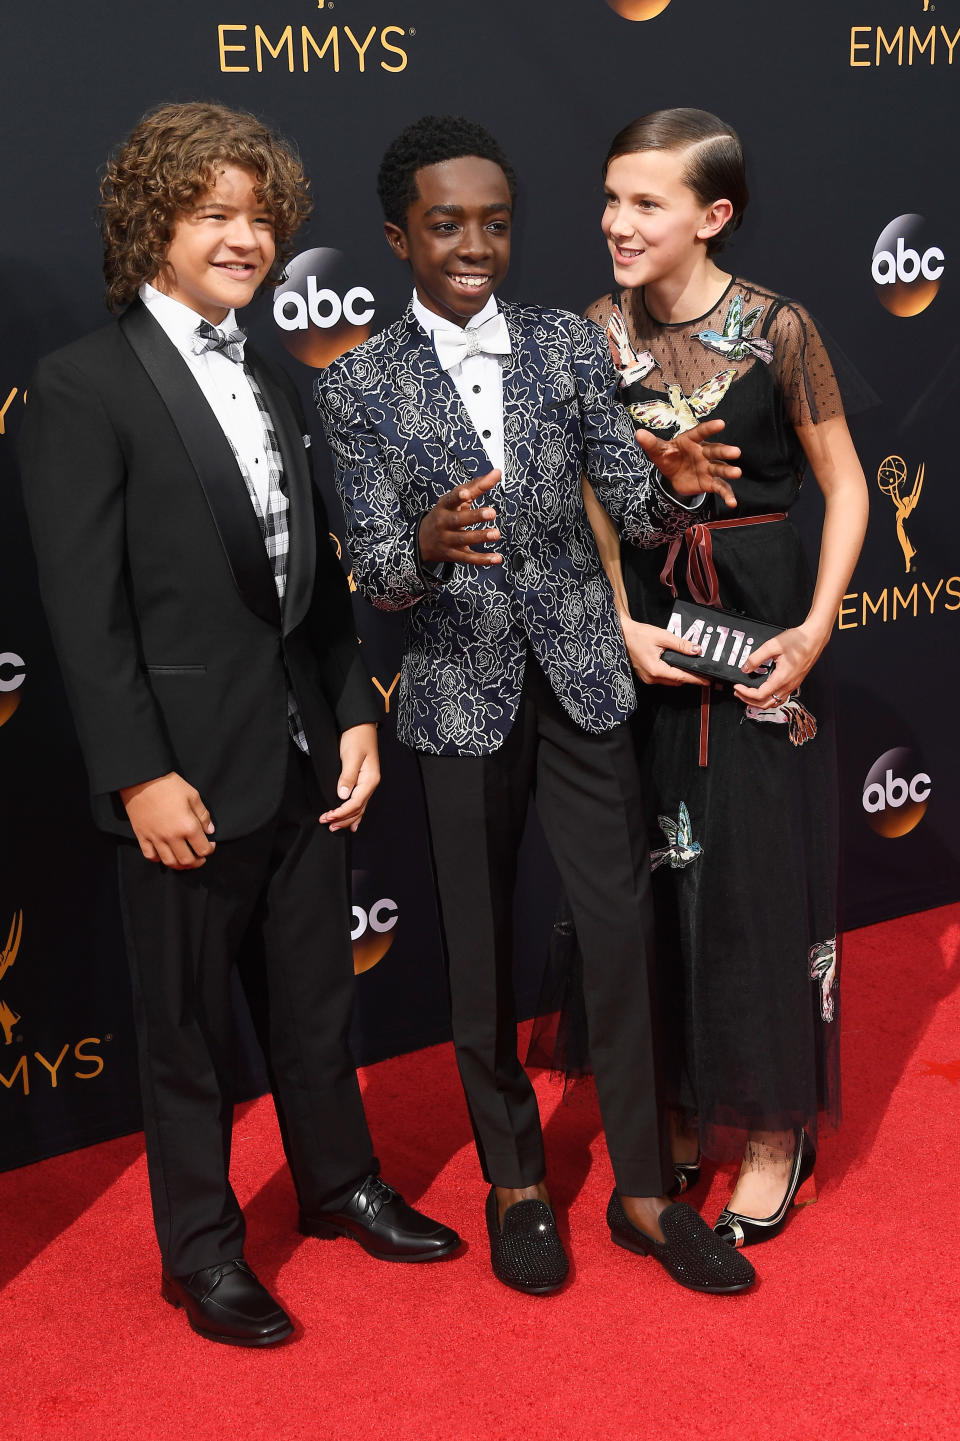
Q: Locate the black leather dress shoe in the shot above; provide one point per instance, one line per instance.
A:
(227, 1303)
(526, 1252)
(691, 1252)
(379, 1218)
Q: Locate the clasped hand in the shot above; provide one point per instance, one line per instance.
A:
(793, 653)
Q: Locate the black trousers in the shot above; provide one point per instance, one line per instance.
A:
(278, 900)
(588, 799)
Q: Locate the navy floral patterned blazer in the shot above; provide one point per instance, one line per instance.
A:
(401, 439)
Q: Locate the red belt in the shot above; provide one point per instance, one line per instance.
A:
(701, 571)
(703, 584)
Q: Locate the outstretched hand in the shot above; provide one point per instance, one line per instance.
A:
(445, 533)
(692, 463)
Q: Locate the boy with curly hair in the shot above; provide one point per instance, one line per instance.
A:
(205, 633)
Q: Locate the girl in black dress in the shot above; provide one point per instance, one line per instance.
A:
(740, 782)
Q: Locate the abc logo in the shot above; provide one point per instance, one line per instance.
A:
(895, 793)
(638, 9)
(905, 272)
(374, 920)
(13, 673)
(319, 315)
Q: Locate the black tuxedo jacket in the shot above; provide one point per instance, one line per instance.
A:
(158, 588)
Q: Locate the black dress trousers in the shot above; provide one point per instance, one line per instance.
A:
(588, 799)
(280, 898)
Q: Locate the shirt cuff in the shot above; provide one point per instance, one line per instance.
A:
(684, 501)
(431, 573)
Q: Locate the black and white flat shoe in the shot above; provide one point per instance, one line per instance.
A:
(740, 1231)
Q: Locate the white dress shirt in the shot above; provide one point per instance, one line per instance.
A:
(478, 379)
(224, 384)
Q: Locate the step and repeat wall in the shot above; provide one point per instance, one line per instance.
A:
(847, 112)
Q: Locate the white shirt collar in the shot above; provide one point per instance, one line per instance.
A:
(430, 321)
(178, 320)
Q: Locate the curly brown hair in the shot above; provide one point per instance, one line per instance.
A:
(164, 167)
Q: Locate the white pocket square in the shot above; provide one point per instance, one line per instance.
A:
(307, 441)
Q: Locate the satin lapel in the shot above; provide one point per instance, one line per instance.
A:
(212, 459)
(302, 557)
(522, 370)
(441, 406)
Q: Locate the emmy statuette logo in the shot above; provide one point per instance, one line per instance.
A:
(892, 480)
(8, 1017)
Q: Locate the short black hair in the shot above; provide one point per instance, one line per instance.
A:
(429, 141)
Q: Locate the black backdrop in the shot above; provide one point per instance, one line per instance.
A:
(848, 116)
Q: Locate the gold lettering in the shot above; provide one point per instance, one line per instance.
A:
(881, 605)
(81, 1055)
(224, 47)
(931, 596)
(6, 406)
(285, 39)
(907, 602)
(20, 1067)
(360, 49)
(331, 39)
(386, 693)
(56, 1065)
(921, 45)
(953, 588)
(394, 49)
(843, 614)
(896, 42)
(856, 44)
(950, 43)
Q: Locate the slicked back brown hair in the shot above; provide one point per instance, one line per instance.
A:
(713, 166)
(161, 171)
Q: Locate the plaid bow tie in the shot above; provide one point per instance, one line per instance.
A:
(208, 337)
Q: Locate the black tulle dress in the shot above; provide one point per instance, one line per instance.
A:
(741, 804)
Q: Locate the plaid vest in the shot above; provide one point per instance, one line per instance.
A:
(272, 520)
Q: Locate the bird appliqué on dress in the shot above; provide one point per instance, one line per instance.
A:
(631, 365)
(681, 412)
(681, 848)
(735, 342)
(823, 970)
(801, 724)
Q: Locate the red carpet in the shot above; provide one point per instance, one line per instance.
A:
(853, 1330)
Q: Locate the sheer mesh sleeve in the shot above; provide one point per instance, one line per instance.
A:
(802, 367)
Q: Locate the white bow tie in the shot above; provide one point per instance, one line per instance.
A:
(490, 338)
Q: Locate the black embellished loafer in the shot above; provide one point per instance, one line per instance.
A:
(379, 1218)
(227, 1303)
(526, 1252)
(691, 1253)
